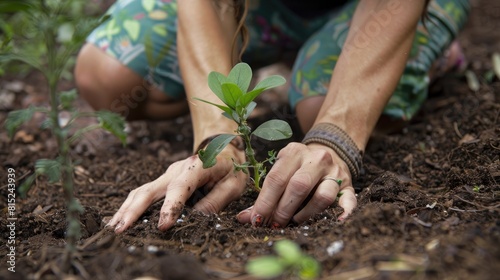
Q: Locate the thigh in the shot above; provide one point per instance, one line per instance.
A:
(142, 36)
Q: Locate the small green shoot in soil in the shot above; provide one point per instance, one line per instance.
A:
(289, 261)
(476, 189)
(61, 28)
(239, 104)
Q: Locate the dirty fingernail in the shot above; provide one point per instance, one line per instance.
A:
(257, 220)
(275, 225)
(120, 225)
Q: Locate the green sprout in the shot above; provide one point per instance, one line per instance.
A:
(476, 189)
(239, 104)
(289, 261)
(60, 28)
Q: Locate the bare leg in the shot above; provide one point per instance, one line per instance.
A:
(107, 84)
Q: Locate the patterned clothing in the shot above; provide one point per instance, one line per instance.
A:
(142, 35)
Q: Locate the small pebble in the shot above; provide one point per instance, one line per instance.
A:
(131, 249)
(335, 247)
(152, 249)
(145, 220)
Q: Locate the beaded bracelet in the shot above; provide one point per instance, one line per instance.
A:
(236, 142)
(337, 139)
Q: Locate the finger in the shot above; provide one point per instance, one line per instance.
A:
(182, 187)
(323, 197)
(136, 203)
(244, 216)
(347, 201)
(227, 190)
(298, 189)
(274, 184)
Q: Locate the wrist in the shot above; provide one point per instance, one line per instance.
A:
(340, 142)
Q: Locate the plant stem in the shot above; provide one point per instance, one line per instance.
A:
(72, 214)
(250, 153)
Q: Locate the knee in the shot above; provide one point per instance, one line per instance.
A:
(86, 78)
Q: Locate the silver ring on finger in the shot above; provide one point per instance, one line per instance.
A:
(338, 181)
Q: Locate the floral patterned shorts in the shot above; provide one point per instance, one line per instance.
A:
(142, 35)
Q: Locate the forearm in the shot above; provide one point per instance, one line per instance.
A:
(370, 66)
(204, 44)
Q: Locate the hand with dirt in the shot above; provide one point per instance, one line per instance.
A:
(178, 183)
(296, 189)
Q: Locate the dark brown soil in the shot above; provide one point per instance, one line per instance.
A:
(428, 205)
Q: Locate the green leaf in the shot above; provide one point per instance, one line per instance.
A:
(309, 268)
(209, 154)
(50, 168)
(241, 75)
(22, 57)
(496, 64)
(26, 185)
(249, 109)
(231, 94)
(288, 250)
(66, 98)
(11, 6)
(215, 81)
(273, 130)
(16, 118)
(227, 110)
(113, 123)
(267, 83)
(265, 267)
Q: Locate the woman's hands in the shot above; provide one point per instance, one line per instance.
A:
(177, 185)
(294, 189)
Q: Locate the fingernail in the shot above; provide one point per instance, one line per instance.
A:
(120, 225)
(257, 220)
(245, 211)
(276, 225)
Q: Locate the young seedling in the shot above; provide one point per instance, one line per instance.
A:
(289, 261)
(61, 30)
(239, 104)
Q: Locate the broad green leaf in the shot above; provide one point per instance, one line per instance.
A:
(113, 123)
(273, 130)
(231, 94)
(496, 64)
(26, 185)
(66, 98)
(215, 81)
(309, 268)
(288, 251)
(270, 82)
(148, 5)
(241, 75)
(209, 154)
(267, 83)
(16, 118)
(265, 267)
(50, 168)
(249, 109)
(226, 110)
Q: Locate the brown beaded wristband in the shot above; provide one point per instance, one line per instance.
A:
(337, 139)
(236, 142)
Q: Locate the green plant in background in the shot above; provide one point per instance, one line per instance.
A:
(232, 91)
(289, 261)
(61, 33)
